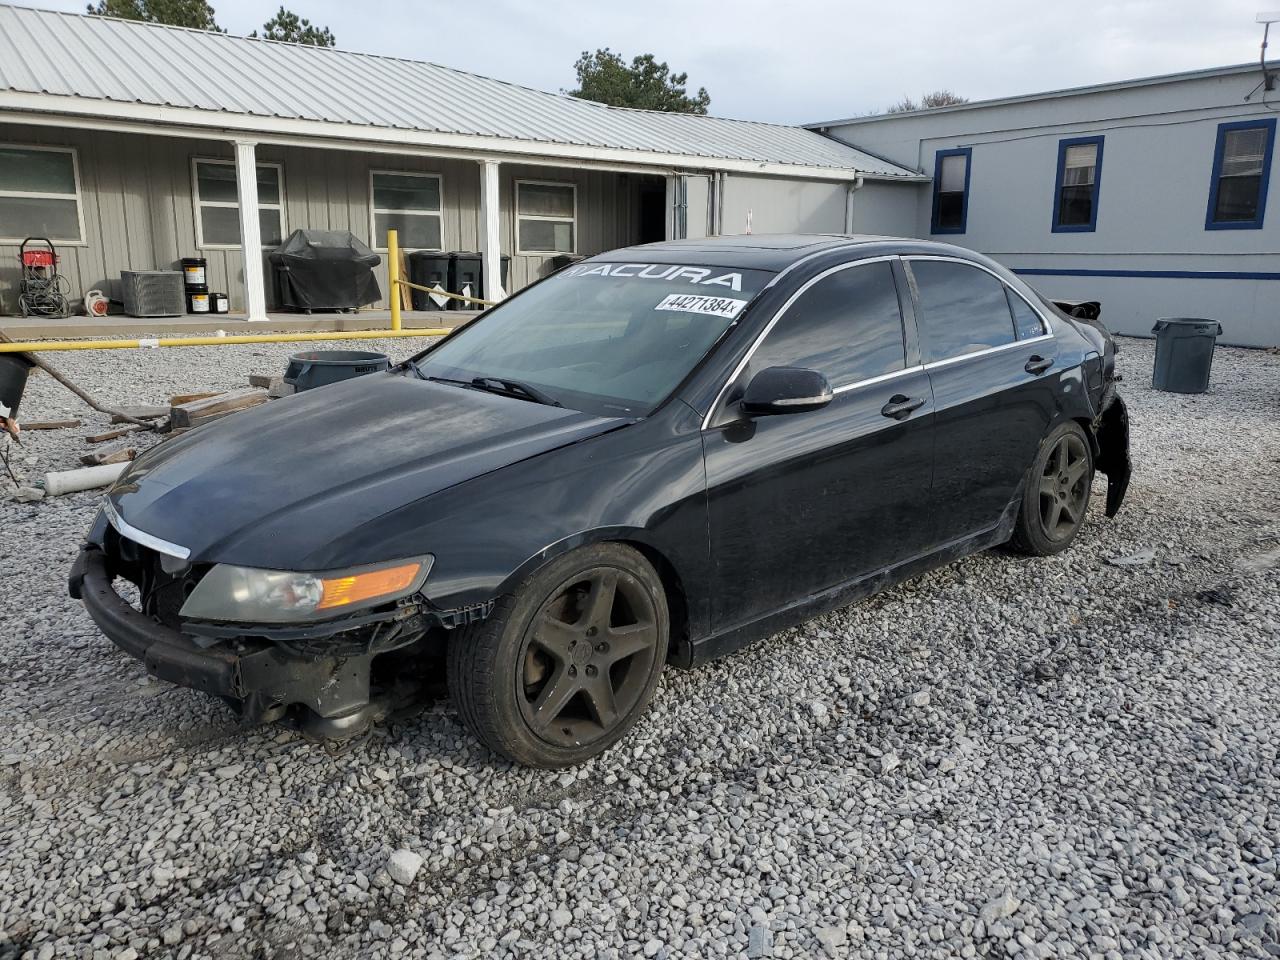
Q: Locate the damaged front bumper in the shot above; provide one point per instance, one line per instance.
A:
(263, 678)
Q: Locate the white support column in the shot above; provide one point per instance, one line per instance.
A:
(490, 231)
(255, 290)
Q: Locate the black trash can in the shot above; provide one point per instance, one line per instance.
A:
(466, 276)
(317, 368)
(429, 267)
(1184, 353)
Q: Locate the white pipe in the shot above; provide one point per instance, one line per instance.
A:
(86, 478)
(853, 188)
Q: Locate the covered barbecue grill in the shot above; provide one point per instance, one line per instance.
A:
(325, 270)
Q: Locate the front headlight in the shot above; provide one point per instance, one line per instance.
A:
(249, 595)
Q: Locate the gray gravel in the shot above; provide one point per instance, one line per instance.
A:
(1008, 757)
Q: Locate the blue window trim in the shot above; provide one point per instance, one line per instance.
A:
(1268, 124)
(967, 153)
(1092, 225)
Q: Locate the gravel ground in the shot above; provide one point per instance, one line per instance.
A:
(1008, 757)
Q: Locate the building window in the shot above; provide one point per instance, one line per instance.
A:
(218, 204)
(1075, 195)
(40, 194)
(1241, 167)
(545, 217)
(951, 190)
(408, 203)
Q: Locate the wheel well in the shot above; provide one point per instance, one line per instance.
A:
(677, 604)
(1087, 426)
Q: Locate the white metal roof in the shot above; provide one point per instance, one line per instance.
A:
(1092, 88)
(67, 63)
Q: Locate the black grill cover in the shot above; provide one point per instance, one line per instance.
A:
(325, 270)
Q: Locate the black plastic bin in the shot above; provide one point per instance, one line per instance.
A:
(429, 267)
(1184, 353)
(318, 368)
(466, 270)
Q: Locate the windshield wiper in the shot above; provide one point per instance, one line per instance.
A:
(499, 385)
(514, 388)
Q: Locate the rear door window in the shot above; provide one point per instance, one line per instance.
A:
(963, 309)
(847, 326)
(1026, 321)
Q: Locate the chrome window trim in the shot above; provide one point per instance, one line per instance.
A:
(781, 311)
(948, 361)
(882, 378)
(141, 536)
(1044, 322)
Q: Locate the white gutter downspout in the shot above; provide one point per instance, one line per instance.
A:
(255, 290)
(853, 188)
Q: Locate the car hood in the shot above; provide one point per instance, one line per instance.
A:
(274, 485)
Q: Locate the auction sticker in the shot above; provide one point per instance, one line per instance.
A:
(695, 303)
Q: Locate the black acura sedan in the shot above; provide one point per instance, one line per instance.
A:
(651, 457)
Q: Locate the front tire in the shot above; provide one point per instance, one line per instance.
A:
(564, 666)
(1056, 496)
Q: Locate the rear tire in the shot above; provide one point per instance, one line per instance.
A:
(1056, 497)
(567, 664)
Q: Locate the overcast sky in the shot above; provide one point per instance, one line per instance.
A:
(797, 61)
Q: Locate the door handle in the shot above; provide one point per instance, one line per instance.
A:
(1038, 364)
(900, 407)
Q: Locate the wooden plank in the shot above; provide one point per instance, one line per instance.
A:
(111, 434)
(201, 411)
(264, 380)
(140, 413)
(406, 296)
(49, 424)
(180, 398)
(108, 455)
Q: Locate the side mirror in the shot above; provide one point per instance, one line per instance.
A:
(786, 390)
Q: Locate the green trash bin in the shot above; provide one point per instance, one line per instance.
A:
(1184, 353)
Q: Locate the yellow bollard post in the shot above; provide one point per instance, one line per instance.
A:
(393, 276)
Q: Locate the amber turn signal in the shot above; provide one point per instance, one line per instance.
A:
(344, 591)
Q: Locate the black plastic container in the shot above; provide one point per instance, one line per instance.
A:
(1184, 353)
(14, 369)
(219, 303)
(318, 368)
(195, 273)
(466, 269)
(429, 267)
(198, 299)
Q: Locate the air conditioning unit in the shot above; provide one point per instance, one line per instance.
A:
(153, 293)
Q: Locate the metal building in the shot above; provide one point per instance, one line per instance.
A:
(1150, 195)
(132, 145)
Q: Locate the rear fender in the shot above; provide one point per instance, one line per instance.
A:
(1111, 433)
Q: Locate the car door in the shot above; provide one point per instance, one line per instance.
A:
(992, 382)
(799, 503)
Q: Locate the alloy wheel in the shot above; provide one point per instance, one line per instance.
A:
(587, 657)
(1064, 487)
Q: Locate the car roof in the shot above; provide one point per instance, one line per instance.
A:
(771, 251)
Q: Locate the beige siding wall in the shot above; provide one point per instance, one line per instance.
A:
(136, 196)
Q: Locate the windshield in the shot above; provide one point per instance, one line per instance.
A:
(609, 338)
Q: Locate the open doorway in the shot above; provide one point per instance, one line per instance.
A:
(651, 209)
